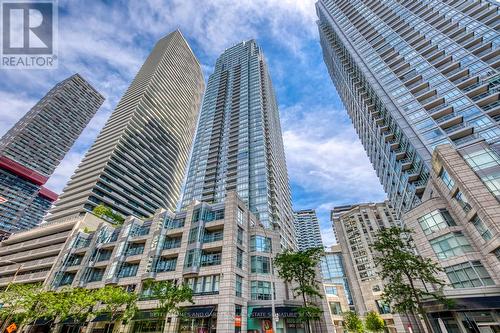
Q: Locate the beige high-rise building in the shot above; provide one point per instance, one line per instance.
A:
(138, 161)
(356, 228)
(458, 226)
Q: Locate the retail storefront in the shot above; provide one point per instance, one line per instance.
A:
(469, 315)
(147, 322)
(259, 320)
(200, 319)
(101, 324)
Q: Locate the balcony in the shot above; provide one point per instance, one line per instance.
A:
(449, 120)
(440, 110)
(414, 83)
(427, 97)
(467, 140)
(471, 85)
(459, 131)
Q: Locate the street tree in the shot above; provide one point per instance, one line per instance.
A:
(406, 274)
(169, 296)
(115, 301)
(18, 302)
(352, 322)
(300, 268)
(373, 322)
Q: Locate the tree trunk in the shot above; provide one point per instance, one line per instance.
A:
(421, 310)
(308, 323)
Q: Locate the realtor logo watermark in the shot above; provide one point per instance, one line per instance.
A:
(29, 34)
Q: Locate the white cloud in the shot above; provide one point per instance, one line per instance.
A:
(13, 107)
(107, 43)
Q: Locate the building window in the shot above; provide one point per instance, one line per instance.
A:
(241, 216)
(96, 274)
(239, 286)
(213, 236)
(446, 178)
(335, 308)
(462, 201)
(128, 270)
(260, 244)
(204, 285)
(493, 183)
(436, 220)
(260, 264)
(166, 265)
(207, 215)
(239, 258)
(172, 242)
(450, 245)
(240, 236)
(134, 249)
(383, 308)
(260, 290)
(210, 258)
(481, 228)
(331, 290)
(468, 275)
(482, 159)
(497, 253)
(192, 258)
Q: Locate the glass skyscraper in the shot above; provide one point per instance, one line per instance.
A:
(413, 75)
(32, 149)
(137, 163)
(307, 229)
(239, 144)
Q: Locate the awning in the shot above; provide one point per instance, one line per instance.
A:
(146, 315)
(199, 311)
(281, 311)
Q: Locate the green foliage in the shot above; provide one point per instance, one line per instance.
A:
(300, 267)
(373, 322)
(120, 304)
(21, 303)
(401, 267)
(352, 322)
(107, 214)
(169, 295)
(27, 303)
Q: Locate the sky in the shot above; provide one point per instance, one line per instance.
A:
(107, 41)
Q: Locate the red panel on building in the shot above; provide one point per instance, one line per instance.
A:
(22, 171)
(45, 192)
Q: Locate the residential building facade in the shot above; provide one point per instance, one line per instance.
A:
(32, 149)
(29, 256)
(356, 229)
(239, 144)
(220, 250)
(336, 286)
(413, 75)
(137, 163)
(307, 229)
(458, 225)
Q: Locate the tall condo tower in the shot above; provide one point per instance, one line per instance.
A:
(137, 163)
(239, 144)
(32, 149)
(414, 75)
(307, 228)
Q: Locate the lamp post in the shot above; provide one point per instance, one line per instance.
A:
(271, 279)
(15, 274)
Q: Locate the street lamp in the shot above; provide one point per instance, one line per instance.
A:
(271, 279)
(15, 274)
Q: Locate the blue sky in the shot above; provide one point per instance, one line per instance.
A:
(106, 42)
